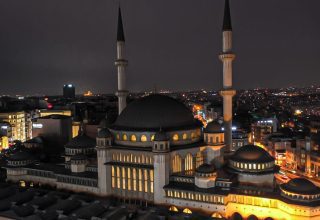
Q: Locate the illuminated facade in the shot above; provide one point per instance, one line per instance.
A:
(43, 113)
(19, 125)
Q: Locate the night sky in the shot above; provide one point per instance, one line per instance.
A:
(173, 44)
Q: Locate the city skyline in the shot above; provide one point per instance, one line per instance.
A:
(168, 45)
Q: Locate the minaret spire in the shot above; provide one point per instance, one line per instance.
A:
(227, 17)
(120, 33)
(227, 92)
(121, 64)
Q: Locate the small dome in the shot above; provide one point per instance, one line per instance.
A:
(161, 136)
(300, 186)
(213, 127)
(81, 141)
(104, 133)
(252, 154)
(206, 168)
(21, 156)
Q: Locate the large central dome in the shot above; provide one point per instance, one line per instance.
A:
(153, 112)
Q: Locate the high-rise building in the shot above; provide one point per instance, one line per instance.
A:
(69, 91)
(18, 124)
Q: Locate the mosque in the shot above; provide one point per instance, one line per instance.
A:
(157, 153)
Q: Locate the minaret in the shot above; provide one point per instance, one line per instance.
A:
(121, 64)
(227, 92)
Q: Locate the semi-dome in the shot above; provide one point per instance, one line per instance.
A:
(300, 186)
(155, 111)
(104, 133)
(213, 127)
(253, 154)
(81, 141)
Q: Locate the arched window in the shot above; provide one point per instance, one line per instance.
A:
(216, 215)
(187, 211)
(193, 135)
(199, 159)
(143, 138)
(217, 140)
(133, 138)
(124, 137)
(188, 162)
(173, 209)
(184, 136)
(175, 137)
(118, 137)
(176, 164)
(152, 137)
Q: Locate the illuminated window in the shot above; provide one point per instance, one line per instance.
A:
(199, 159)
(145, 180)
(123, 178)
(118, 137)
(184, 136)
(124, 137)
(151, 181)
(188, 162)
(118, 177)
(193, 135)
(175, 137)
(113, 178)
(143, 138)
(173, 209)
(176, 164)
(152, 137)
(140, 180)
(22, 183)
(134, 178)
(133, 138)
(142, 159)
(129, 178)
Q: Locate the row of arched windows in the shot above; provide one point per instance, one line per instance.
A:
(133, 138)
(189, 162)
(144, 138)
(188, 211)
(195, 196)
(252, 166)
(131, 158)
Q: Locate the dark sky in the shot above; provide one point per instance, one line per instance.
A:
(173, 44)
